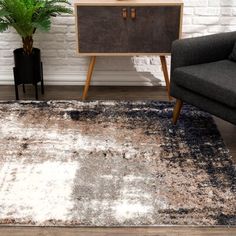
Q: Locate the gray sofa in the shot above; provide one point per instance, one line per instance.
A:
(202, 75)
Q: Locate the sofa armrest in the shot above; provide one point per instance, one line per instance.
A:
(199, 50)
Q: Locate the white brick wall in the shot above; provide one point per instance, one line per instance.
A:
(63, 66)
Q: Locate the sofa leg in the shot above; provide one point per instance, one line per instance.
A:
(177, 110)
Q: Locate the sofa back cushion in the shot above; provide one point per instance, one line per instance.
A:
(232, 56)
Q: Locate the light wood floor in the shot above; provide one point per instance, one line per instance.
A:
(227, 130)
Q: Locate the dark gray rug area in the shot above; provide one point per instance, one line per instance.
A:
(112, 164)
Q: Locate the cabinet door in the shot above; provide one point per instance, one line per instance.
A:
(154, 29)
(102, 29)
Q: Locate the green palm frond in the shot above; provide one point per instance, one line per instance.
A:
(3, 26)
(42, 24)
(28, 15)
(4, 13)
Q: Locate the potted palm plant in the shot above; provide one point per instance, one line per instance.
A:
(27, 16)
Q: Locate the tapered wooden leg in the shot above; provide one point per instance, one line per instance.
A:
(89, 76)
(166, 75)
(177, 110)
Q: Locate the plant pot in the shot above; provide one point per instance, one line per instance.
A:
(28, 69)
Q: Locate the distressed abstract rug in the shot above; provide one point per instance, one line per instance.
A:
(112, 164)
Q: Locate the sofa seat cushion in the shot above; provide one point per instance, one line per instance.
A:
(215, 80)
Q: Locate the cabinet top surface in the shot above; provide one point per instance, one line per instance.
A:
(126, 2)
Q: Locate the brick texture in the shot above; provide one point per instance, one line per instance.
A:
(63, 66)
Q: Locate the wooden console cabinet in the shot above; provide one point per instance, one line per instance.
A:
(127, 28)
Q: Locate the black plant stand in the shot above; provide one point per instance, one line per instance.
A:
(23, 85)
(28, 70)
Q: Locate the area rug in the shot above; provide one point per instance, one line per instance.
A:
(112, 163)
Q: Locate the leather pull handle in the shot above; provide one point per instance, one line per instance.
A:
(125, 13)
(133, 13)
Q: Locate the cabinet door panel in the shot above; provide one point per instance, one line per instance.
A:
(154, 29)
(102, 29)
